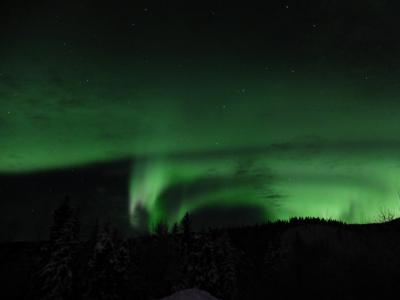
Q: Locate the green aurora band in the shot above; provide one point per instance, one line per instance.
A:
(351, 188)
(288, 142)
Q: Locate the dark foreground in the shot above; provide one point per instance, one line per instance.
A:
(303, 257)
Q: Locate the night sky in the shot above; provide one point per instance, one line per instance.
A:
(236, 114)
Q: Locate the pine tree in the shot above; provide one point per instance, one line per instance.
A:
(65, 226)
(186, 228)
(107, 266)
(226, 264)
(57, 276)
(204, 265)
(210, 265)
(175, 230)
(161, 229)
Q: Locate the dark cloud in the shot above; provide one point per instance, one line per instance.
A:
(326, 178)
(176, 195)
(99, 191)
(293, 149)
(224, 216)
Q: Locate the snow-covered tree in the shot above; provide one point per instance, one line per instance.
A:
(210, 265)
(226, 258)
(57, 275)
(108, 266)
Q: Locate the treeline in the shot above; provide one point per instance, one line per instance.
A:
(304, 257)
(107, 266)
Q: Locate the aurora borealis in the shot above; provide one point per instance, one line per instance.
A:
(213, 107)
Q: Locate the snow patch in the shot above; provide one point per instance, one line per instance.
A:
(190, 294)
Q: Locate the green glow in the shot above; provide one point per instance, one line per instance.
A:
(355, 191)
(327, 148)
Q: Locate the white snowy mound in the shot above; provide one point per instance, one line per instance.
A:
(190, 294)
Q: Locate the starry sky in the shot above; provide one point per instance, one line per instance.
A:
(236, 114)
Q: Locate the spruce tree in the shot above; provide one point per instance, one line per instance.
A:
(210, 265)
(186, 228)
(108, 265)
(56, 277)
(226, 258)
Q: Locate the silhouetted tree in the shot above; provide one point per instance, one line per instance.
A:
(385, 215)
(57, 276)
(226, 264)
(161, 229)
(66, 224)
(186, 227)
(175, 230)
(108, 266)
(210, 265)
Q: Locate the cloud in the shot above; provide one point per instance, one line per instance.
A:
(214, 188)
(223, 216)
